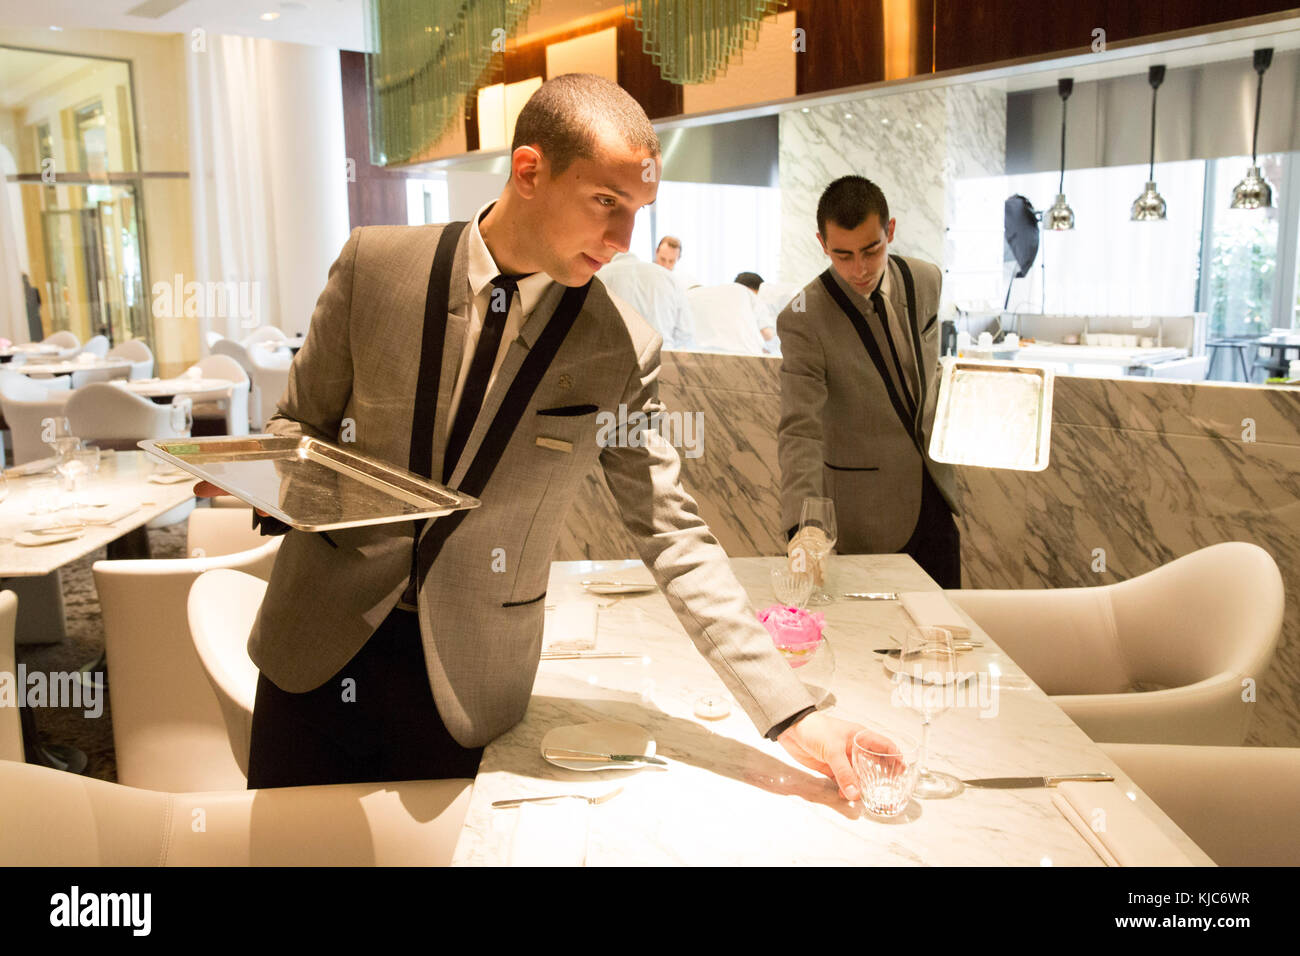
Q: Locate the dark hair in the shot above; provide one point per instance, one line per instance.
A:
(566, 114)
(750, 280)
(848, 202)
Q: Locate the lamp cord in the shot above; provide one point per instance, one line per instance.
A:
(1151, 167)
(1254, 140)
(1060, 187)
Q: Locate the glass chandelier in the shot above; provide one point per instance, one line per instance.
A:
(427, 55)
(690, 41)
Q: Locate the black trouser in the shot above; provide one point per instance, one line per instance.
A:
(373, 721)
(935, 543)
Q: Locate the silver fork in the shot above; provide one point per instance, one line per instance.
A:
(503, 804)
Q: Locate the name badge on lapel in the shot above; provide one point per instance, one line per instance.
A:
(555, 444)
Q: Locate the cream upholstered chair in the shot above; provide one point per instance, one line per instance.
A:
(231, 409)
(270, 374)
(1171, 656)
(67, 342)
(138, 354)
(1238, 804)
(223, 605)
(11, 730)
(168, 727)
(96, 345)
(70, 820)
(26, 405)
(84, 377)
(211, 337)
(213, 532)
(114, 417)
(263, 333)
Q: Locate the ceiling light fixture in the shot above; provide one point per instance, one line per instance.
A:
(1060, 218)
(1254, 192)
(1150, 206)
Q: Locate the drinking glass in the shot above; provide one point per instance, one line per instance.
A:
(792, 588)
(57, 433)
(819, 513)
(886, 766)
(926, 682)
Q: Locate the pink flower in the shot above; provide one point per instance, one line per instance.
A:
(796, 632)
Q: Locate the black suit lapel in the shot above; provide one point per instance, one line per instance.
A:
(914, 326)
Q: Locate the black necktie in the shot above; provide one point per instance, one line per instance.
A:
(878, 303)
(480, 369)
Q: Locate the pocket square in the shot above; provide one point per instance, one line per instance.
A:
(568, 411)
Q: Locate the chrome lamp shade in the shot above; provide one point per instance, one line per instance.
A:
(1253, 192)
(1060, 217)
(1150, 206)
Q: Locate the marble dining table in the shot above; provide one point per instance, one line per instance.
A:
(731, 797)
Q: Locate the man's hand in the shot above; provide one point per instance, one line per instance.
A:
(206, 489)
(825, 744)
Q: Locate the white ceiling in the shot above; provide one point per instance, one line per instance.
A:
(334, 23)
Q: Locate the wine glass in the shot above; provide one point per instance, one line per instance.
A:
(57, 433)
(926, 681)
(817, 535)
(792, 588)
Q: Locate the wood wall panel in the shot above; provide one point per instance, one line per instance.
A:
(378, 195)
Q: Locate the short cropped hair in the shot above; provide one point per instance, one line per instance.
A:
(750, 280)
(565, 116)
(672, 242)
(848, 202)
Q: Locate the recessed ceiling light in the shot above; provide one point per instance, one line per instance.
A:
(804, 110)
(269, 16)
(885, 121)
(57, 29)
(848, 116)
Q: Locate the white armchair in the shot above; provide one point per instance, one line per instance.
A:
(26, 405)
(138, 354)
(264, 333)
(84, 377)
(168, 728)
(70, 820)
(116, 418)
(231, 409)
(96, 345)
(67, 343)
(1238, 804)
(271, 378)
(1166, 657)
(11, 730)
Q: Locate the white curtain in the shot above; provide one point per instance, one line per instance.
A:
(13, 303)
(268, 177)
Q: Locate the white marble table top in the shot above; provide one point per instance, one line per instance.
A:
(70, 366)
(184, 385)
(123, 479)
(730, 797)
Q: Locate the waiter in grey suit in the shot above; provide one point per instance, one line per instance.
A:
(859, 380)
(481, 354)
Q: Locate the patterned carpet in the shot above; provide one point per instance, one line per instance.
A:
(85, 642)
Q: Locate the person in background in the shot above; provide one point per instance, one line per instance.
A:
(763, 315)
(32, 296)
(668, 252)
(859, 381)
(727, 319)
(654, 294)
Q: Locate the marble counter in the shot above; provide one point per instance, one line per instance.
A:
(730, 797)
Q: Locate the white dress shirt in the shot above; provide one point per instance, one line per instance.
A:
(482, 270)
(650, 289)
(726, 319)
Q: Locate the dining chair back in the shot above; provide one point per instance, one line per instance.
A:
(96, 345)
(168, 729)
(138, 354)
(84, 377)
(1238, 804)
(231, 408)
(1173, 656)
(223, 605)
(27, 405)
(63, 819)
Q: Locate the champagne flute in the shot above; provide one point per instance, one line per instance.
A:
(818, 534)
(926, 682)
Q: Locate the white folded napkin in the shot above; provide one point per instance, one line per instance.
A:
(1113, 825)
(570, 626)
(931, 609)
(169, 478)
(109, 514)
(551, 834)
(27, 539)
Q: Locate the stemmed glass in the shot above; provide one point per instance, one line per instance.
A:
(57, 433)
(818, 514)
(925, 682)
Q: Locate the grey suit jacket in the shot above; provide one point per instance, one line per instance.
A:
(839, 435)
(482, 627)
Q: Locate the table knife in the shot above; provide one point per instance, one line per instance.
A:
(619, 587)
(1018, 783)
(956, 646)
(585, 756)
(872, 595)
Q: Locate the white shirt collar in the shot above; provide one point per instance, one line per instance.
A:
(483, 268)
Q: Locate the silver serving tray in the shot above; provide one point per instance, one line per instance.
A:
(993, 414)
(309, 484)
